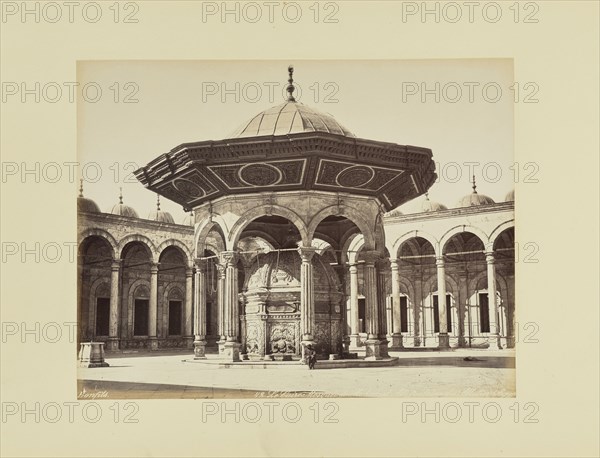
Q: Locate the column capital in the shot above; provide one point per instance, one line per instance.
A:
(382, 264)
(371, 257)
(490, 257)
(220, 270)
(394, 262)
(189, 272)
(229, 258)
(440, 261)
(116, 264)
(200, 264)
(306, 253)
(154, 267)
(353, 268)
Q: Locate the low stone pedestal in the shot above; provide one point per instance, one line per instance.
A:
(91, 354)
(395, 342)
(444, 341)
(231, 351)
(354, 342)
(333, 356)
(199, 349)
(374, 350)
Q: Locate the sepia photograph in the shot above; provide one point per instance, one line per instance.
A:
(291, 241)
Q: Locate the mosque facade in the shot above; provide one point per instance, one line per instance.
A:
(293, 239)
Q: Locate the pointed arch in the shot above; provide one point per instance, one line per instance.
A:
(459, 230)
(351, 214)
(256, 212)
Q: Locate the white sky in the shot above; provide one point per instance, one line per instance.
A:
(368, 97)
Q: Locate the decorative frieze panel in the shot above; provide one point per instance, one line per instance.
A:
(351, 176)
(262, 174)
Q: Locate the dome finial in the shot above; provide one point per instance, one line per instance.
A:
(474, 186)
(290, 87)
(81, 187)
(120, 195)
(157, 202)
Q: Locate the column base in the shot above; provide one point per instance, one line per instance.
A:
(375, 350)
(354, 341)
(199, 349)
(493, 342)
(443, 341)
(112, 344)
(231, 352)
(189, 342)
(152, 343)
(395, 341)
(221, 346)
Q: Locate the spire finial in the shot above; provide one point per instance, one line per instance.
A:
(121, 195)
(157, 202)
(474, 186)
(427, 195)
(81, 187)
(290, 87)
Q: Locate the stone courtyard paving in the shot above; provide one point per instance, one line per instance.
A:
(417, 374)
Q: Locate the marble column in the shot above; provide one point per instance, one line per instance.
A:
(354, 317)
(188, 336)
(374, 347)
(113, 330)
(444, 339)
(220, 305)
(231, 347)
(153, 308)
(381, 269)
(494, 336)
(396, 328)
(307, 298)
(200, 310)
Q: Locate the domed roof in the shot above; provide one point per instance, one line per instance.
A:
(474, 199)
(431, 206)
(510, 197)
(190, 219)
(84, 204)
(123, 210)
(291, 117)
(160, 216)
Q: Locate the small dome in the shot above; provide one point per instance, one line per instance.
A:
(123, 210)
(431, 206)
(291, 117)
(159, 215)
(87, 205)
(474, 199)
(84, 204)
(510, 197)
(190, 219)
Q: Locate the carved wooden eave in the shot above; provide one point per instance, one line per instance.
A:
(194, 173)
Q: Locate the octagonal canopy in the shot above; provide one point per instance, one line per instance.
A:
(290, 117)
